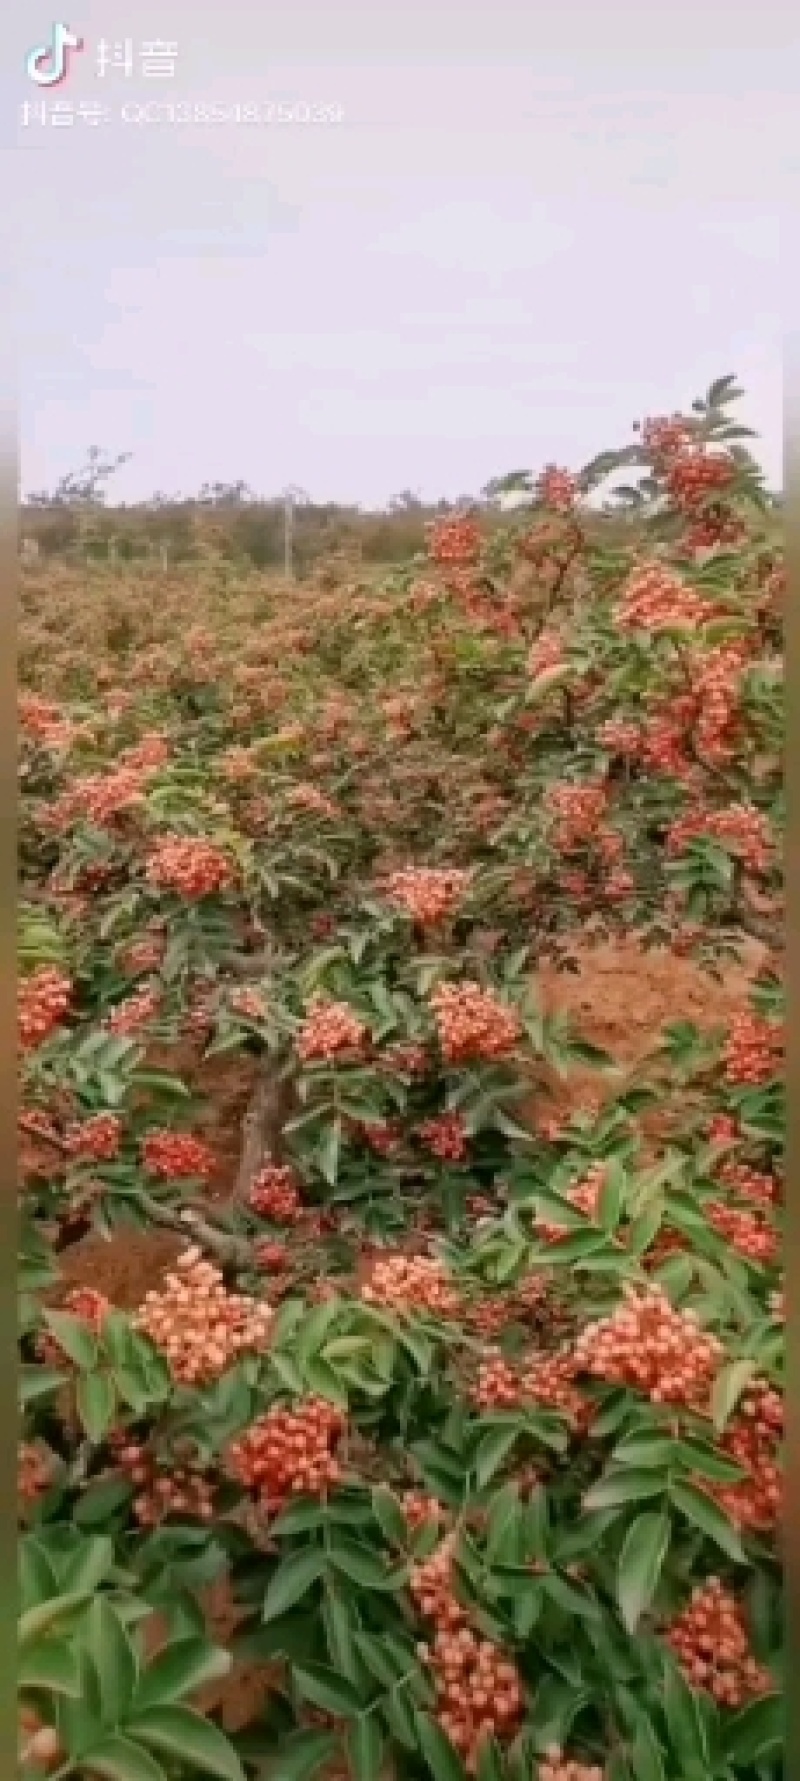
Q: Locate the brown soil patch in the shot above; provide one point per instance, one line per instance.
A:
(621, 998)
(124, 1266)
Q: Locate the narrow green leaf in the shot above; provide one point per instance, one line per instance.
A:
(74, 1337)
(293, 1579)
(115, 1661)
(96, 1403)
(364, 1746)
(47, 1615)
(442, 1760)
(178, 1670)
(119, 1759)
(302, 1754)
(727, 1390)
(704, 1514)
(326, 1690)
(188, 1738)
(640, 1561)
(49, 1665)
(630, 1485)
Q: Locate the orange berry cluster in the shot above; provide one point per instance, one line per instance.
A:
(473, 1024)
(412, 1283)
(96, 1139)
(716, 525)
(655, 599)
(182, 1490)
(478, 1689)
(175, 1156)
(446, 1137)
(711, 1643)
(275, 1194)
(754, 1050)
(289, 1453)
(190, 867)
(330, 1030)
(750, 1184)
(752, 1440)
(742, 829)
(454, 541)
(558, 1767)
(718, 685)
(199, 1327)
(650, 1346)
(428, 896)
(142, 955)
(43, 999)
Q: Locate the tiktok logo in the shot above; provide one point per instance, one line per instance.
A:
(48, 63)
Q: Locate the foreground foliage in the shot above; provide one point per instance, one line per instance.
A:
(478, 1410)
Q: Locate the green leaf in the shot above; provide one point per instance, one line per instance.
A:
(625, 1486)
(329, 1153)
(118, 1759)
(640, 1561)
(685, 1721)
(293, 1579)
(757, 1733)
(645, 1755)
(96, 1403)
(38, 1382)
(101, 1501)
(301, 1754)
(47, 1616)
(704, 1514)
(74, 1337)
(89, 1565)
(115, 1661)
(179, 1669)
(364, 1746)
(51, 1666)
(360, 1565)
(493, 1449)
(326, 1690)
(389, 1515)
(186, 1736)
(442, 1760)
(727, 1390)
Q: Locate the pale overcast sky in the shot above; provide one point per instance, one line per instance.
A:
(533, 227)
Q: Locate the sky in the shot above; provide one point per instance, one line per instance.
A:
(529, 229)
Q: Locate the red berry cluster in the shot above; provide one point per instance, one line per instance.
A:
(751, 1233)
(655, 598)
(412, 1283)
(665, 436)
(473, 1024)
(383, 1136)
(421, 1510)
(546, 653)
(428, 896)
(135, 1012)
(97, 1139)
(717, 525)
(694, 475)
(752, 1440)
(175, 1156)
(275, 1194)
(558, 1767)
(43, 999)
(152, 750)
(330, 1030)
(711, 1643)
(190, 867)
(750, 1184)
(653, 1348)
(249, 1003)
(405, 1058)
(34, 1471)
(478, 1688)
(289, 1453)
(754, 1050)
(740, 828)
(577, 810)
(446, 1137)
(454, 541)
(199, 1327)
(557, 488)
(585, 1197)
(142, 956)
(180, 1490)
(273, 1258)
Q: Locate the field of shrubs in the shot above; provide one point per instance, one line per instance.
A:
(401, 1364)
